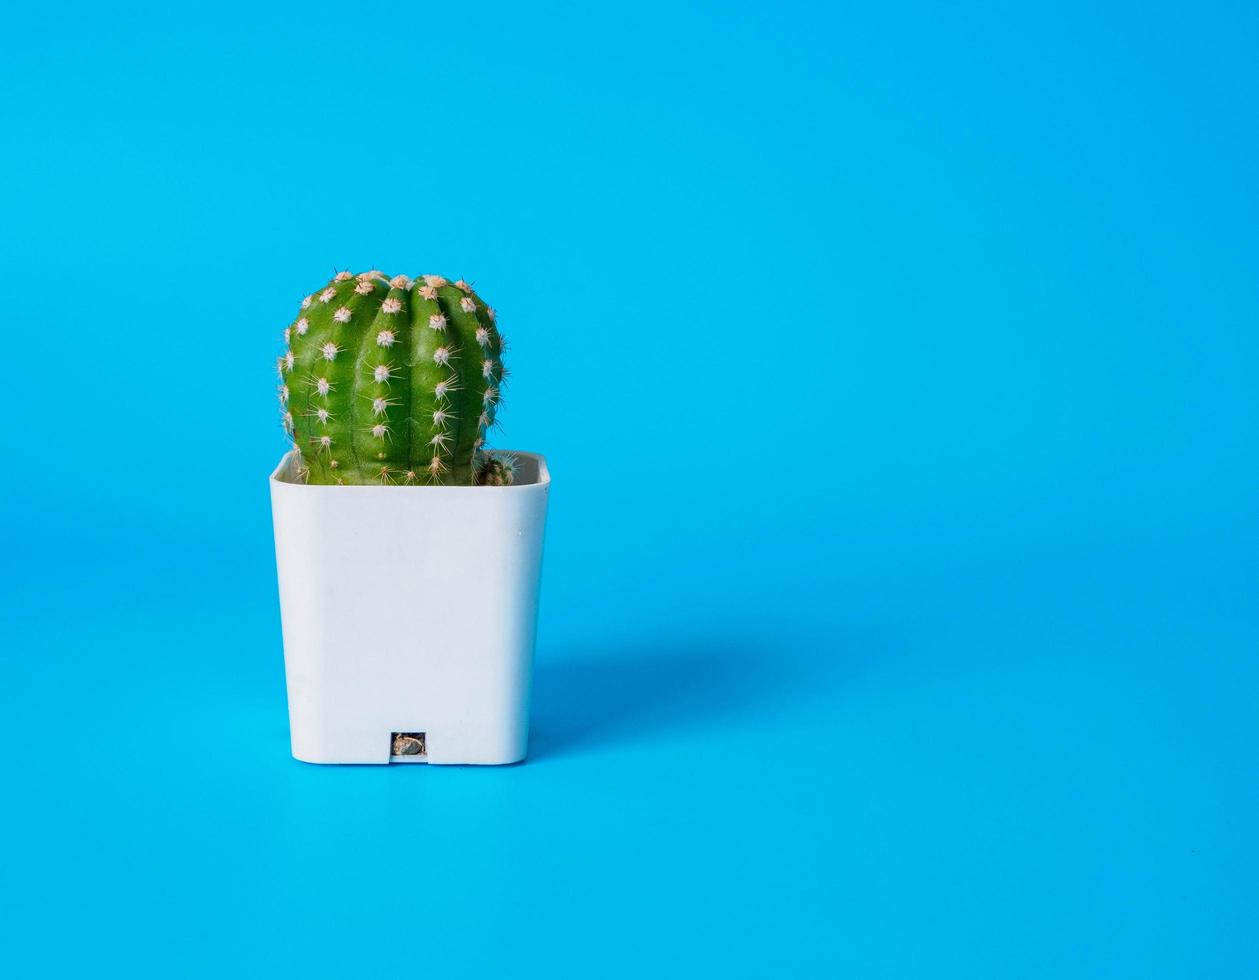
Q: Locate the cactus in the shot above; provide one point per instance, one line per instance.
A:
(498, 470)
(393, 381)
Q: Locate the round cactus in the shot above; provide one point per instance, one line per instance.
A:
(498, 470)
(392, 381)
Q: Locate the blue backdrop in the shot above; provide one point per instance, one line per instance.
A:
(896, 367)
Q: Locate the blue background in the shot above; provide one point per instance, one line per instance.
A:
(896, 367)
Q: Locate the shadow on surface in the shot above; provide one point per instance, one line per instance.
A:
(585, 698)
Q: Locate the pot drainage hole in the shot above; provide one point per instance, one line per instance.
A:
(407, 746)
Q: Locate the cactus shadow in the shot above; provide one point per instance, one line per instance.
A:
(588, 698)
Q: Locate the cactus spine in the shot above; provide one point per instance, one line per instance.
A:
(393, 381)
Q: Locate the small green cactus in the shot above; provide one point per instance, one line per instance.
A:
(497, 470)
(393, 381)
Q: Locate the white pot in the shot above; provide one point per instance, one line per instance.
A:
(409, 609)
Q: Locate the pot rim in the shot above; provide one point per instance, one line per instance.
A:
(279, 474)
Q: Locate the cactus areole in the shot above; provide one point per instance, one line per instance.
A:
(393, 381)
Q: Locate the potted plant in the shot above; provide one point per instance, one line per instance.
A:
(408, 553)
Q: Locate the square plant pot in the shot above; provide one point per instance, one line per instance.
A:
(409, 615)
